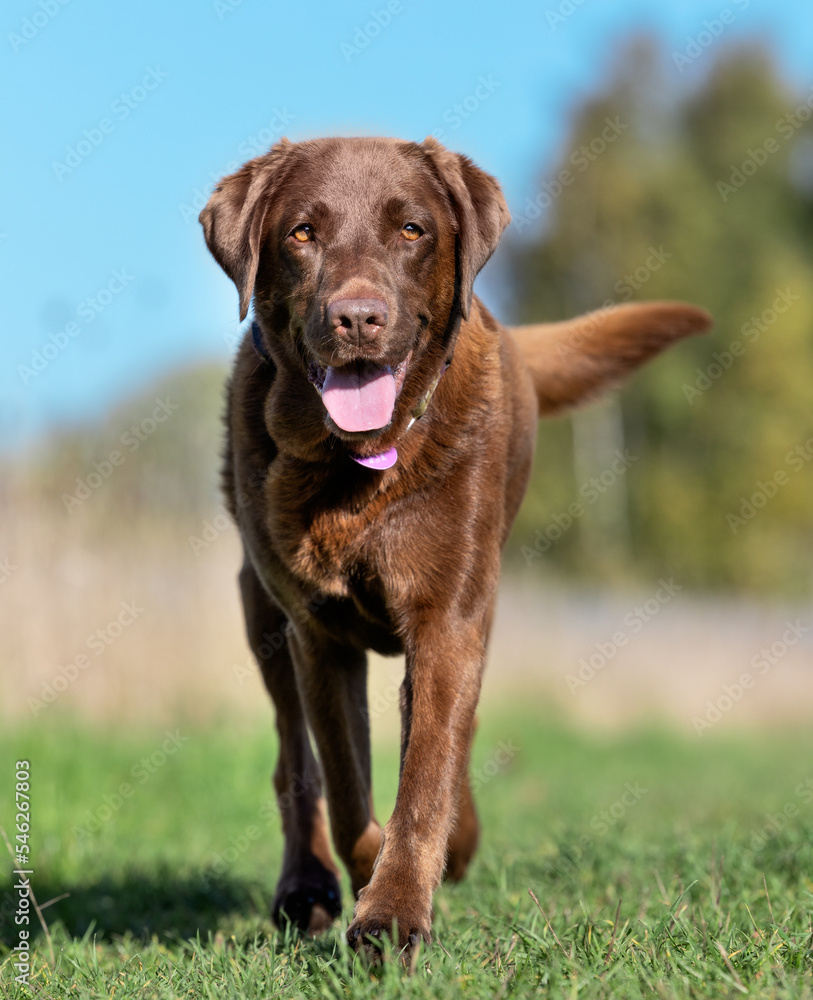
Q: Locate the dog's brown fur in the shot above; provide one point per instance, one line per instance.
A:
(339, 558)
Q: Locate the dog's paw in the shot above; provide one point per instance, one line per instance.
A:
(309, 898)
(404, 926)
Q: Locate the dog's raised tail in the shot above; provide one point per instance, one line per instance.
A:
(573, 361)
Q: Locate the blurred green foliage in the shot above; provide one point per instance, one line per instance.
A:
(156, 456)
(704, 195)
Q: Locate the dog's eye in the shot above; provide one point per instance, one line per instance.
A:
(411, 231)
(303, 233)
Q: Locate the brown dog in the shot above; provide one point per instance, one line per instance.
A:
(365, 527)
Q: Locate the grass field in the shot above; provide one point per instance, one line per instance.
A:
(664, 868)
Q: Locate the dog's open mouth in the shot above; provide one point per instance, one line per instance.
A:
(359, 396)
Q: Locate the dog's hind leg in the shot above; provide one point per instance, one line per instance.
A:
(465, 833)
(308, 892)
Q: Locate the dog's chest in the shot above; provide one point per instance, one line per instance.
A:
(325, 543)
(326, 551)
(333, 560)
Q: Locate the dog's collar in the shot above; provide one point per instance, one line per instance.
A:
(386, 459)
(257, 340)
(420, 409)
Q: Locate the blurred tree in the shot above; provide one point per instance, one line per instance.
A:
(697, 196)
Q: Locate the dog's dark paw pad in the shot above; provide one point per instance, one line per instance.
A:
(309, 900)
(310, 908)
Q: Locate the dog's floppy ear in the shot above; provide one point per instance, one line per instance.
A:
(479, 207)
(234, 215)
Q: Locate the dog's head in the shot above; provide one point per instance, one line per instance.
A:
(361, 255)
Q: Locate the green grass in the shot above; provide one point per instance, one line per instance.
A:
(169, 897)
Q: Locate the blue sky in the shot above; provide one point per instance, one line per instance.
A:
(118, 118)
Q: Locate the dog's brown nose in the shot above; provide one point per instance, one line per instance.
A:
(358, 320)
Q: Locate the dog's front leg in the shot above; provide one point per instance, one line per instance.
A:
(442, 684)
(332, 682)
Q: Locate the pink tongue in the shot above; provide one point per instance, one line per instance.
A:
(359, 401)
